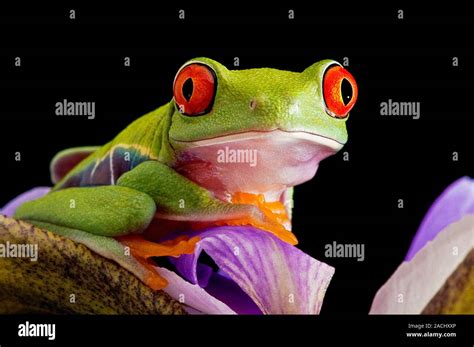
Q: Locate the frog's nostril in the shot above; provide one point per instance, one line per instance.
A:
(253, 104)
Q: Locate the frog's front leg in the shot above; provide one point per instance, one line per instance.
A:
(179, 199)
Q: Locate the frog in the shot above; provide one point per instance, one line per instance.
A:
(227, 149)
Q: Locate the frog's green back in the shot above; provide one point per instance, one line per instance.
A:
(144, 139)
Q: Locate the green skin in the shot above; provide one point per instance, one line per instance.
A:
(255, 100)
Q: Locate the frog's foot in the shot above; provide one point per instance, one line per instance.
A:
(273, 211)
(201, 208)
(274, 221)
(142, 250)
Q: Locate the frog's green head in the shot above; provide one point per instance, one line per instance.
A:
(298, 116)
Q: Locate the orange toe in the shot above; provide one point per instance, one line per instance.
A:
(142, 250)
(275, 215)
(276, 229)
(274, 211)
(146, 249)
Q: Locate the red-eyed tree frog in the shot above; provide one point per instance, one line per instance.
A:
(227, 149)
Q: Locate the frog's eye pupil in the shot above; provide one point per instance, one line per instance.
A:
(339, 90)
(188, 89)
(194, 89)
(346, 91)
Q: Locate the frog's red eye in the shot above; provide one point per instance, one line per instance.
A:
(194, 89)
(340, 91)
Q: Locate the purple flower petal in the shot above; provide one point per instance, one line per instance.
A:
(415, 282)
(32, 194)
(456, 201)
(192, 296)
(193, 271)
(278, 277)
(226, 290)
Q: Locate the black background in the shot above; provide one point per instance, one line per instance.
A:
(347, 202)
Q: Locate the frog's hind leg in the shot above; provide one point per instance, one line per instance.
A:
(102, 210)
(93, 216)
(64, 161)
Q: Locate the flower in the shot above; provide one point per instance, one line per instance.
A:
(455, 202)
(277, 277)
(443, 241)
(257, 272)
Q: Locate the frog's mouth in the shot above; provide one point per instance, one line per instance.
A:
(257, 162)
